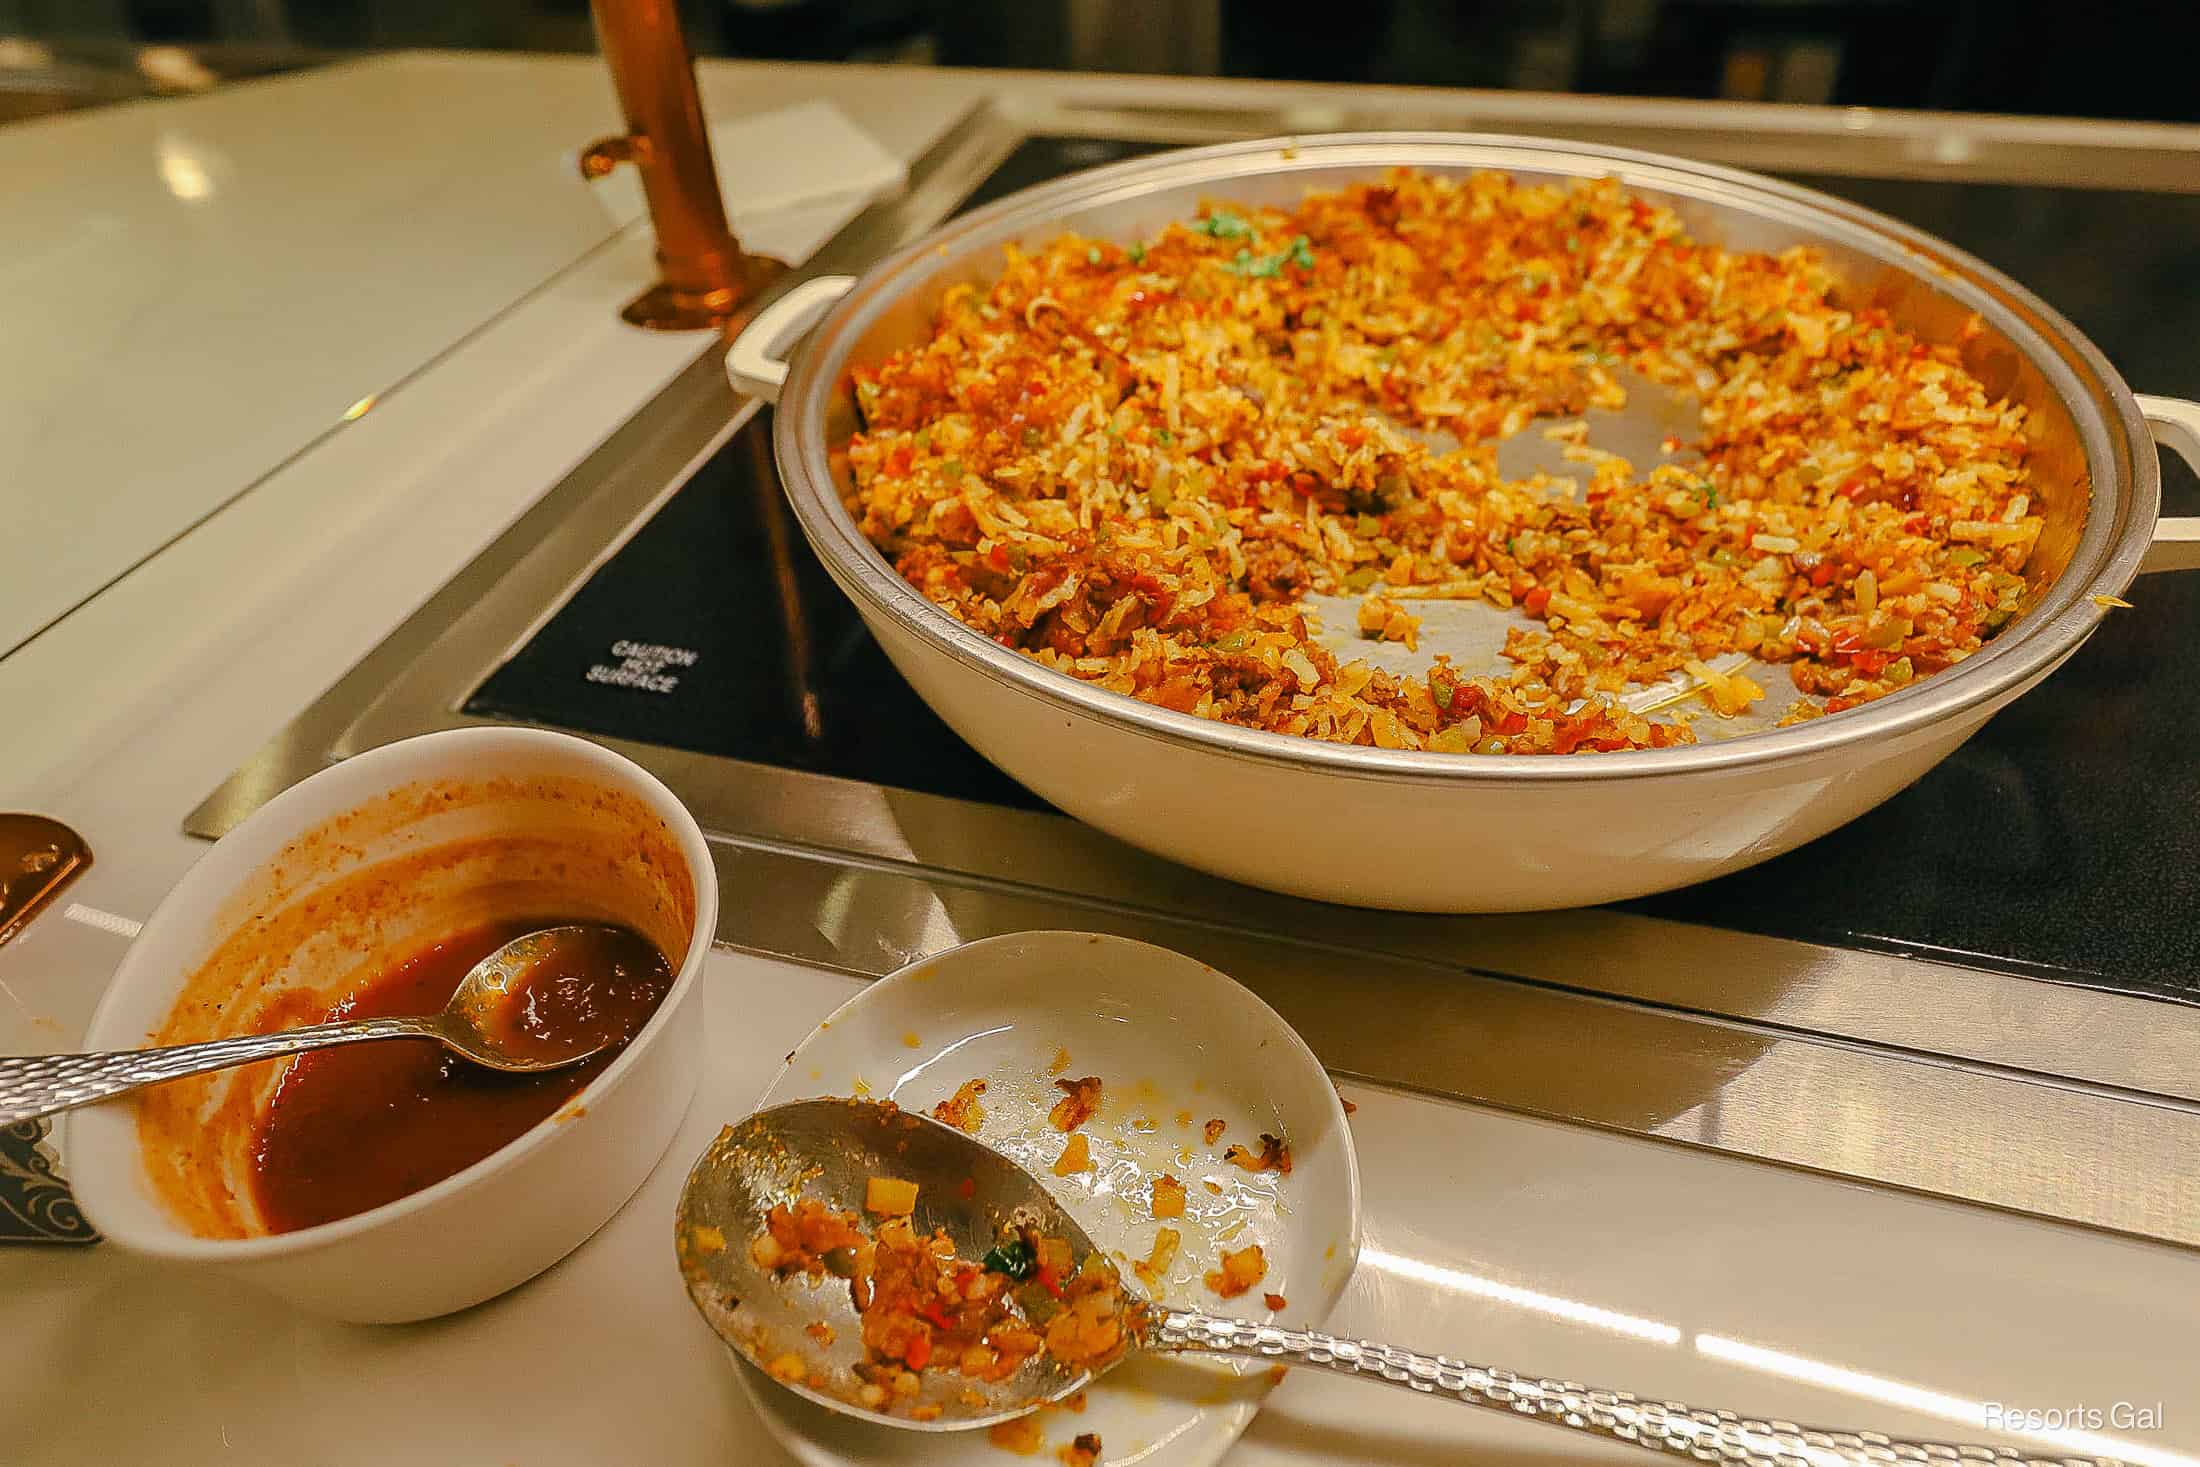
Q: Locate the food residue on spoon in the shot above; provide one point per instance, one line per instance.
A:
(889, 1196)
(924, 1308)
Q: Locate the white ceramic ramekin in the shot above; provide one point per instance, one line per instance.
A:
(516, 1212)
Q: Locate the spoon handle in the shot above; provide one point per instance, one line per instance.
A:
(40, 1084)
(1660, 1426)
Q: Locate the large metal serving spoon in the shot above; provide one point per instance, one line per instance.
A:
(477, 1024)
(828, 1148)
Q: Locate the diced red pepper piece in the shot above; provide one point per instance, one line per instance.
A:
(1821, 573)
(1535, 601)
(1050, 1281)
(919, 1351)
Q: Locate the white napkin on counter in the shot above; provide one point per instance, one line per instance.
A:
(790, 177)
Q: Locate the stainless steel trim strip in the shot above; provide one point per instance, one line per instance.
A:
(2002, 1138)
(1975, 148)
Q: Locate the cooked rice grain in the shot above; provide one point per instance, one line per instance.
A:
(1131, 465)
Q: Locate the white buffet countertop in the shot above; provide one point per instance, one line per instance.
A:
(242, 541)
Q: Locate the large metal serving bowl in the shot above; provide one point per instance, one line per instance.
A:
(1439, 832)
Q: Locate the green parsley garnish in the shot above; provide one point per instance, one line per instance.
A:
(1266, 267)
(1163, 437)
(1710, 493)
(1092, 255)
(1137, 252)
(1015, 1259)
(1224, 225)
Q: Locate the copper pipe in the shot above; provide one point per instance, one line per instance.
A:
(704, 275)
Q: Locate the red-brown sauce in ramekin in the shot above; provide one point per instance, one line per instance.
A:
(352, 1128)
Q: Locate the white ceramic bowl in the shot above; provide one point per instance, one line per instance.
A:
(1175, 1043)
(312, 897)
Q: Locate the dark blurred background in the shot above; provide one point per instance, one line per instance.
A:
(2123, 59)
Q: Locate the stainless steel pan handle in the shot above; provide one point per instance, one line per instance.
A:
(753, 363)
(2176, 425)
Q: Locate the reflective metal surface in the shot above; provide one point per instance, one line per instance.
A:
(827, 1150)
(1840, 1055)
(39, 857)
(706, 274)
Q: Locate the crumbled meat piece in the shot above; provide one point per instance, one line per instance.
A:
(1080, 1098)
(961, 1110)
(1240, 1271)
(1273, 1156)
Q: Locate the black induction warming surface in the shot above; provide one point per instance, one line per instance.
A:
(2063, 841)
